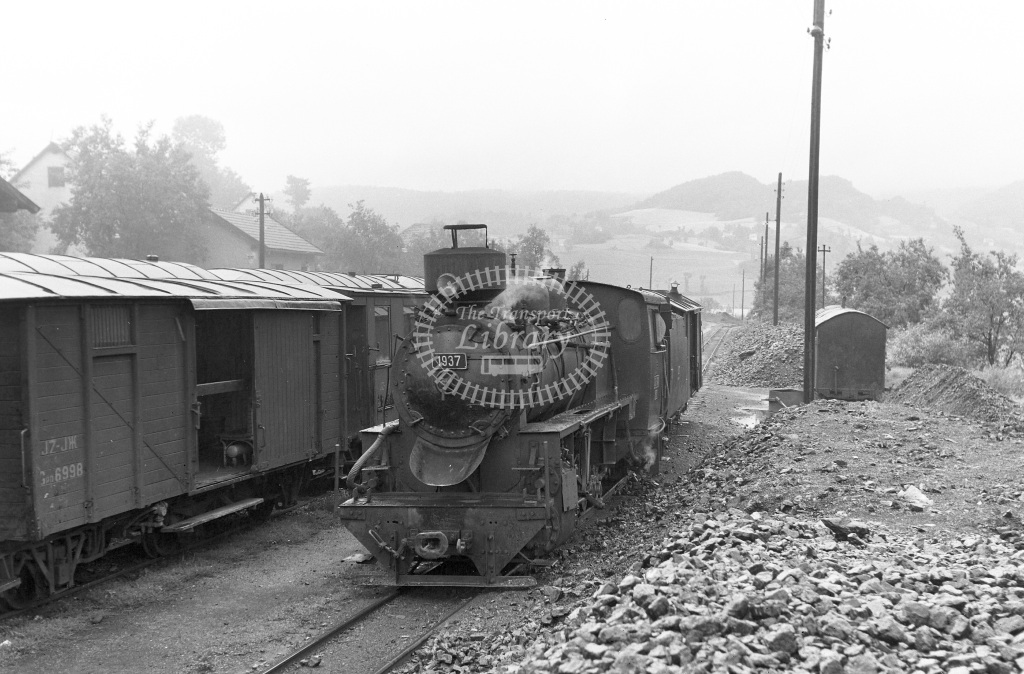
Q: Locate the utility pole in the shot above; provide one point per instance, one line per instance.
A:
(650, 279)
(823, 250)
(263, 241)
(760, 257)
(817, 31)
(764, 274)
(778, 227)
(743, 295)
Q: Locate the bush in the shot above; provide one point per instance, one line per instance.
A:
(1007, 380)
(921, 344)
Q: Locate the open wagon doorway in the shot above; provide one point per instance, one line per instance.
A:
(223, 408)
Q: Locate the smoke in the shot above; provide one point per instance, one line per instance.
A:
(521, 293)
(646, 454)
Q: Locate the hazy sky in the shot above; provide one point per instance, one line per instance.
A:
(626, 96)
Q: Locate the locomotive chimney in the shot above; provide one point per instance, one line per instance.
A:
(152, 258)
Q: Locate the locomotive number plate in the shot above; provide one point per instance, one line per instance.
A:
(451, 361)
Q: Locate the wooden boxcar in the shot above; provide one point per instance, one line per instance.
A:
(140, 408)
(849, 354)
(380, 315)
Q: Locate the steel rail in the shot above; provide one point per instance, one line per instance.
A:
(332, 632)
(722, 333)
(411, 648)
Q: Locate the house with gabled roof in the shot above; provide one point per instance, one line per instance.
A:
(13, 200)
(233, 240)
(43, 180)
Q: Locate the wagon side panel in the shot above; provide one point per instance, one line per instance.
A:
(15, 506)
(165, 412)
(330, 380)
(58, 460)
(285, 388)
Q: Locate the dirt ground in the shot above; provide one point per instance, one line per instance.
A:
(242, 603)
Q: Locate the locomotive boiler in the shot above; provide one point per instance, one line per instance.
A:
(523, 399)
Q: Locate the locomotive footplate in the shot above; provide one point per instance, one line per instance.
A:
(408, 532)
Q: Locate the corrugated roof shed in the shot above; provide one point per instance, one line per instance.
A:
(833, 310)
(275, 235)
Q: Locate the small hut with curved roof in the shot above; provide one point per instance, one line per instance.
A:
(849, 355)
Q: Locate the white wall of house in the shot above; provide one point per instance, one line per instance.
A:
(44, 181)
(225, 248)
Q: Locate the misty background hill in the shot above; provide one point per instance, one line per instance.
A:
(705, 234)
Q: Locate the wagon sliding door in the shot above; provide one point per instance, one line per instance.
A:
(287, 375)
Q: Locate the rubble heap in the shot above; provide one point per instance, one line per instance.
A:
(955, 391)
(760, 355)
(734, 592)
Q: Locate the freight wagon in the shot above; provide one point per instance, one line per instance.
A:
(142, 408)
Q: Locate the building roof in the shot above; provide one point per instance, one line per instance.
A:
(52, 147)
(276, 235)
(11, 199)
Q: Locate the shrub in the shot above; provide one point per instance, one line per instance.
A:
(922, 344)
(1007, 380)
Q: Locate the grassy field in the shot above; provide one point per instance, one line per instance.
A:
(626, 260)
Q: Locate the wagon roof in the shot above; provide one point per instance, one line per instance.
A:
(830, 312)
(67, 265)
(202, 293)
(376, 283)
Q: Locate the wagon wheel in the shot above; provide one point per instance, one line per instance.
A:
(261, 513)
(33, 584)
(159, 544)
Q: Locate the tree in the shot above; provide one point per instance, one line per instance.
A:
(896, 287)
(578, 272)
(205, 138)
(532, 249)
(298, 191)
(792, 272)
(18, 229)
(365, 243)
(985, 306)
(131, 202)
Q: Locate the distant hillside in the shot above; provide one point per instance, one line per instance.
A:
(507, 212)
(1002, 208)
(735, 196)
(730, 196)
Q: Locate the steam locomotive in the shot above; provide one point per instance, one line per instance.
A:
(523, 401)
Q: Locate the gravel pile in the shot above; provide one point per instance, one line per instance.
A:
(760, 355)
(955, 391)
(737, 592)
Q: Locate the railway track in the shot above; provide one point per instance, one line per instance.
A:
(411, 643)
(134, 566)
(712, 343)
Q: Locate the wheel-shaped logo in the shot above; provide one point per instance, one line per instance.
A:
(539, 340)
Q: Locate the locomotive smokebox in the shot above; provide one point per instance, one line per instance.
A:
(443, 267)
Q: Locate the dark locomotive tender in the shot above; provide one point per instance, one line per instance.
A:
(139, 400)
(469, 479)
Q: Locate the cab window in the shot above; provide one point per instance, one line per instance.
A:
(382, 332)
